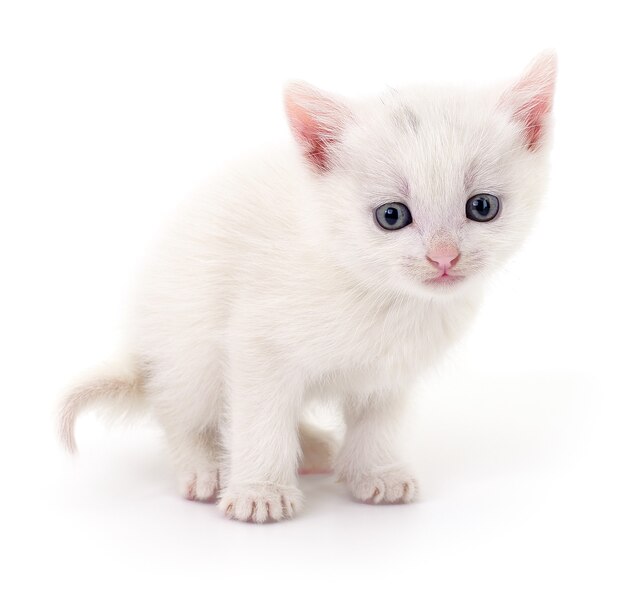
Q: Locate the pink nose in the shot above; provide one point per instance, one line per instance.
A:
(444, 257)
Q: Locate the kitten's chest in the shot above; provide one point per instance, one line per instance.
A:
(391, 344)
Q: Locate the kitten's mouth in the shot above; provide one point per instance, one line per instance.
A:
(445, 279)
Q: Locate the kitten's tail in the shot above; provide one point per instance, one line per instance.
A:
(118, 388)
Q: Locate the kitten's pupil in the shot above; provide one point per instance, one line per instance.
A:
(391, 216)
(482, 206)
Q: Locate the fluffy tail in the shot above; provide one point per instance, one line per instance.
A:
(119, 389)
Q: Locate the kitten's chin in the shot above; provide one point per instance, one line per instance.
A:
(439, 287)
(445, 280)
(443, 288)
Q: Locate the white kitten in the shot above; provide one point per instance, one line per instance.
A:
(345, 268)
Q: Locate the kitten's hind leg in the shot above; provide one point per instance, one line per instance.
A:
(196, 457)
(319, 449)
(186, 398)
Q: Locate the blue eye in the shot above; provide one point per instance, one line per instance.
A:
(393, 216)
(482, 207)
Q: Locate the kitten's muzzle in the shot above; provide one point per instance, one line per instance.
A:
(443, 257)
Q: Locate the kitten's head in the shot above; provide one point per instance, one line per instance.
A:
(427, 190)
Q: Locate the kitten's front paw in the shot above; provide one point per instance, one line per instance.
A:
(200, 485)
(393, 486)
(260, 502)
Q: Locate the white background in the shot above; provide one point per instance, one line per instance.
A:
(110, 112)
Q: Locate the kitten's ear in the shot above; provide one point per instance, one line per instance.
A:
(316, 120)
(530, 99)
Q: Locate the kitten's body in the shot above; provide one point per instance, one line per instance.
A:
(276, 287)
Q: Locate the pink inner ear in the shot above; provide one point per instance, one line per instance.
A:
(311, 135)
(533, 115)
(531, 98)
(315, 121)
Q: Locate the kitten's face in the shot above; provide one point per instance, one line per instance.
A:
(427, 192)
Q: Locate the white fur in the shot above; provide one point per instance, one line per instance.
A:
(276, 288)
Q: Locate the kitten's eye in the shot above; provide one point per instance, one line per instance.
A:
(393, 216)
(482, 207)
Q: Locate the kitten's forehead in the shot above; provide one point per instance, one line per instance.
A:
(439, 143)
(404, 118)
(445, 123)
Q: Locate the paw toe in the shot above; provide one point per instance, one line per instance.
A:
(390, 487)
(260, 503)
(201, 485)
